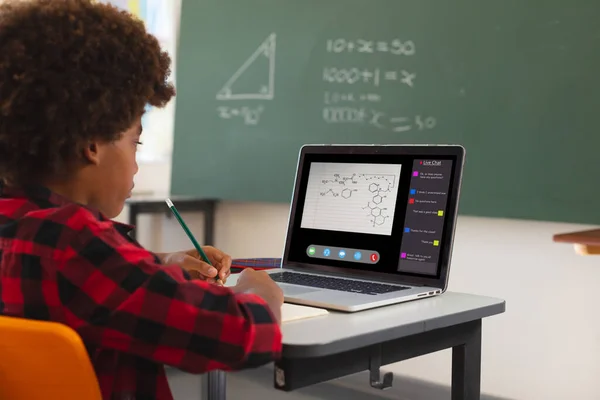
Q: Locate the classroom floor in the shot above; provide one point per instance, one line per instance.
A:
(258, 384)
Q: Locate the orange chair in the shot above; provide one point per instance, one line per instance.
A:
(44, 360)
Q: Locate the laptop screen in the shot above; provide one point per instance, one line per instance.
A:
(384, 213)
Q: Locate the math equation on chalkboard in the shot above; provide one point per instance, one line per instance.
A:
(353, 94)
(354, 91)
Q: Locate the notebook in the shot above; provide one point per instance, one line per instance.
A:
(294, 312)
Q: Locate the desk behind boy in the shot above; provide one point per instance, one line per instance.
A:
(155, 204)
(585, 242)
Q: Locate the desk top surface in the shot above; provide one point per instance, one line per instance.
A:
(338, 331)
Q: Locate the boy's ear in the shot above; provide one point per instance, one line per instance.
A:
(91, 153)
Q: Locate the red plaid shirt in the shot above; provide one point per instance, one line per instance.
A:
(63, 262)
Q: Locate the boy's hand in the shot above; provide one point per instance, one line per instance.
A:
(261, 284)
(192, 262)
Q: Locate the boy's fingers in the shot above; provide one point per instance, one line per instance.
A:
(193, 264)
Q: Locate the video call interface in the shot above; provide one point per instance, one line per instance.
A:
(384, 213)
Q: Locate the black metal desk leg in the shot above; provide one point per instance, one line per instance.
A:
(133, 220)
(466, 366)
(214, 385)
(209, 224)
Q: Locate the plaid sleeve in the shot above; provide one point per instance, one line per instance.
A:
(116, 296)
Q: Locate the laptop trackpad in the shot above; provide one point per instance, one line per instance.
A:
(293, 290)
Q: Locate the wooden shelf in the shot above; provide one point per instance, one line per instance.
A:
(585, 242)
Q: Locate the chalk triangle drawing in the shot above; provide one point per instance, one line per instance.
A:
(263, 60)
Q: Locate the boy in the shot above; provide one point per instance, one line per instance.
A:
(75, 77)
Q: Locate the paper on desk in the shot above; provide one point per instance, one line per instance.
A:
(290, 312)
(293, 312)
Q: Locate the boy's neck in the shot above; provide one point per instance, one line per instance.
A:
(72, 191)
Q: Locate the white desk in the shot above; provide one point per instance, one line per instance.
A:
(339, 344)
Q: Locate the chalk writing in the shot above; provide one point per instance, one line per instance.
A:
(262, 60)
(250, 115)
(378, 119)
(400, 124)
(349, 97)
(368, 46)
(371, 97)
(405, 124)
(403, 76)
(374, 76)
(350, 75)
(344, 115)
(425, 122)
(354, 106)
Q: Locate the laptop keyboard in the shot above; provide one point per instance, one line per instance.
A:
(343, 285)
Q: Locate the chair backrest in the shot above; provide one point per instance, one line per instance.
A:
(44, 360)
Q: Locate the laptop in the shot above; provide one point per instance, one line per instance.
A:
(370, 225)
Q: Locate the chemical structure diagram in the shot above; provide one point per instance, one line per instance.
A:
(374, 206)
(377, 188)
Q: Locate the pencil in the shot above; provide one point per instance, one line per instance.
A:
(189, 234)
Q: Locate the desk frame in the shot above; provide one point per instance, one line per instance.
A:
(464, 339)
(158, 206)
(290, 373)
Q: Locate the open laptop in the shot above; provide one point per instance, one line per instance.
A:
(370, 225)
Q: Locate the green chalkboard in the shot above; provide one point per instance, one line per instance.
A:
(517, 82)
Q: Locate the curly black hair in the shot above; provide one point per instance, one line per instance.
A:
(71, 72)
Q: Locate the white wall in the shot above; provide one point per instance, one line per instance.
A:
(547, 344)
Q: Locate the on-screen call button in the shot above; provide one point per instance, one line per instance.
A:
(362, 256)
